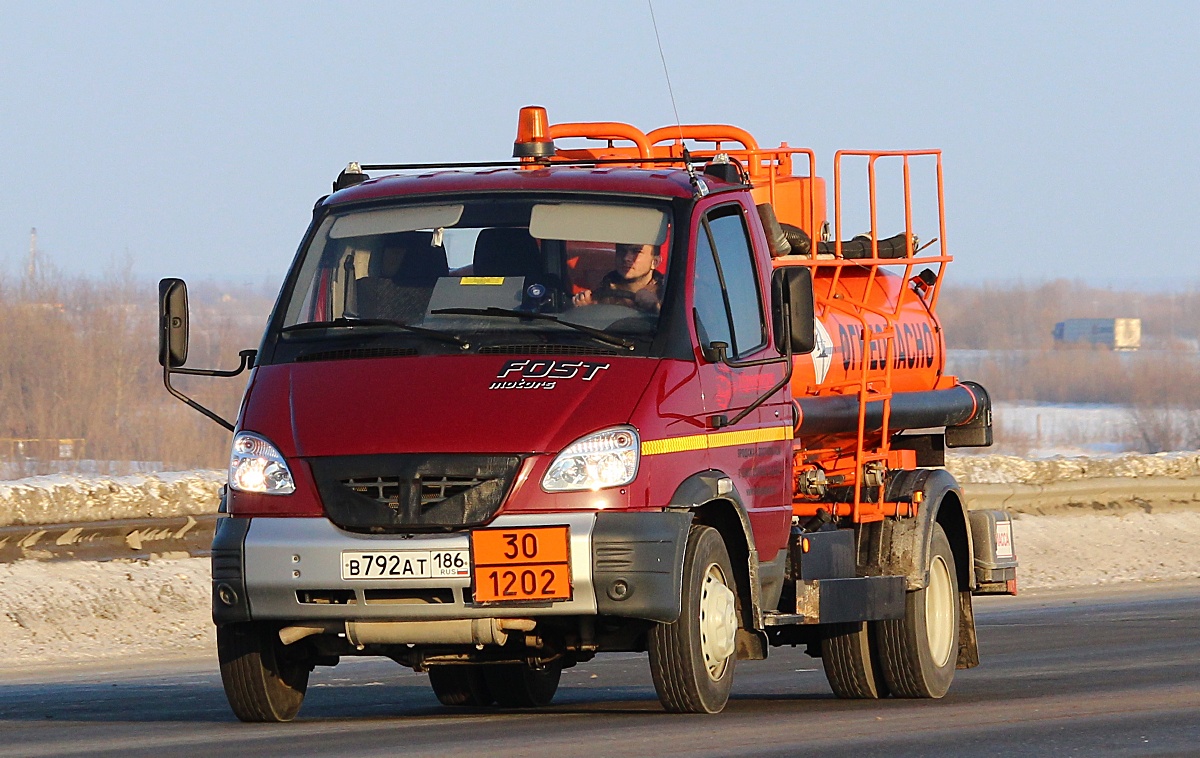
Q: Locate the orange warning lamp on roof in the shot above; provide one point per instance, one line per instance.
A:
(533, 134)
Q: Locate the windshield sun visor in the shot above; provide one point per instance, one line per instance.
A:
(390, 220)
(590, 222)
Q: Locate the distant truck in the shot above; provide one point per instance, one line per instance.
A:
(507, 416)
(1113, 333)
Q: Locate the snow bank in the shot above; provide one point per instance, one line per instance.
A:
(69, 498)
(77, 610)
(1005, 469)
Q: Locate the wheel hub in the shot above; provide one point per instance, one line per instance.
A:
(718, 622)
(939, 612)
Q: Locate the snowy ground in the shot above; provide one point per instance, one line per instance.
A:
(79, 611)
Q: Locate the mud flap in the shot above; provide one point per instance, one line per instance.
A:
(968, 643)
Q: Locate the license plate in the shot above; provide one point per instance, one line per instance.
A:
(513, 565)
(405, 564)
(1004, 546)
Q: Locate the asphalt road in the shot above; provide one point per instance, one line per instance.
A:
(1078, 673)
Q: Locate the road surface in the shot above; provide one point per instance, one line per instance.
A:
(1099, 671)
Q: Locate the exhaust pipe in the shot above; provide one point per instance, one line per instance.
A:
(487, 631)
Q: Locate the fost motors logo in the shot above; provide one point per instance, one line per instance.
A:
(543, 375)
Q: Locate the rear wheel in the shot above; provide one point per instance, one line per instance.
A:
(691, 659)
(264, 681)
(516, 685)
(919, 652)
(460, 686)
(851, 663)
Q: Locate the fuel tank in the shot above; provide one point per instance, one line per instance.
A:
(825, 383)
(918, 351)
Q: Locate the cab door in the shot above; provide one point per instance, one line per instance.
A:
(730, 304)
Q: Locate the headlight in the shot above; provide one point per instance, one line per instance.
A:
(607, 458)
(256, 466)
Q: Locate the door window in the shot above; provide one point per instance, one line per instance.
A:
(733, 313)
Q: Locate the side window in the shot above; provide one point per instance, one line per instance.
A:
(734, 316)
(709, 302)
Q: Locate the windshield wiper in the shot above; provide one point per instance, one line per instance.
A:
(595, 334)
(343, 321)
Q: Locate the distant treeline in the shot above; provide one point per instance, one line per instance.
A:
(78, 360)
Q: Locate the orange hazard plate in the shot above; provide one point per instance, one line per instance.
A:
(513, 565)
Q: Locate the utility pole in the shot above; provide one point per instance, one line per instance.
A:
(33, 254)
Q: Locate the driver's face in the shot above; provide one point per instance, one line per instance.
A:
(634, 261)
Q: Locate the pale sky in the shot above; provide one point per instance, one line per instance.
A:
(195, 137)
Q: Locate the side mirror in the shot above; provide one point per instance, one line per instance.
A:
(792, 286)
(172, 323)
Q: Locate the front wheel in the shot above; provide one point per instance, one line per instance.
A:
(263, 680)
(691, 659)
(919, 652)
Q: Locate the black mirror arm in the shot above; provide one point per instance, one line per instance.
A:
(247, 358)
(720, 421)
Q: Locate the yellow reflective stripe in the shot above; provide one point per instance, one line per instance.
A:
(675, 444)
(481, 280)
(716, 439)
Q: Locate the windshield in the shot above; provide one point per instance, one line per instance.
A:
(473, 268)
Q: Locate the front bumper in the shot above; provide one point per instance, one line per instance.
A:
(289, 569)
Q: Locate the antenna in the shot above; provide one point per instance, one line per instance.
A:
(698, 187)
(666, 73)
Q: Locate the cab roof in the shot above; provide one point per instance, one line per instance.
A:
(660, 182)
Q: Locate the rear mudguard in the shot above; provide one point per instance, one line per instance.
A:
(901, 546)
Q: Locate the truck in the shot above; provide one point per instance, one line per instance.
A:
(627, 392)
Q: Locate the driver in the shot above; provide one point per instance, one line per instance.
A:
(633, 282)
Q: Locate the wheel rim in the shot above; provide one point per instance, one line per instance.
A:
(718, 622)
(939, 612)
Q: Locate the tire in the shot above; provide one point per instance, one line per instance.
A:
(918, 653)
(692, 658)
(263, 680)
(851, 663)
(516, 685)
(460, 686)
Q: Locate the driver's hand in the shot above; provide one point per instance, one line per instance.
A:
(582, 298)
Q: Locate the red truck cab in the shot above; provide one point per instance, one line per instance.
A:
(503, 418)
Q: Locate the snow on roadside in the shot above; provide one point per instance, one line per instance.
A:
(1078, 550)
(69, 498)
(53, 612)
(84, 610)
(1005, 469)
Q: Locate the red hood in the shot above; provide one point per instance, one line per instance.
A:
(442, 404)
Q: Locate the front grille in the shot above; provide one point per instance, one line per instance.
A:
(389, 491)
(548, 350)
(413, 493)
